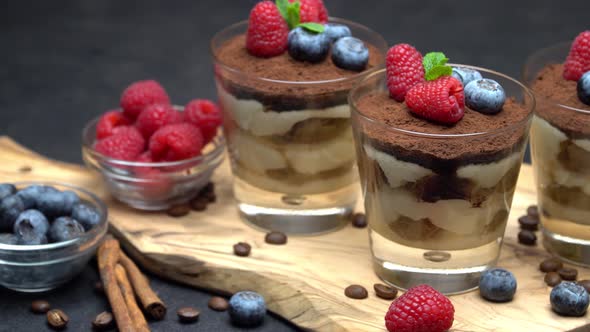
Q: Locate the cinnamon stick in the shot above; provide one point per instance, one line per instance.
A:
(137, 317)
(108, 255)
(150, 302)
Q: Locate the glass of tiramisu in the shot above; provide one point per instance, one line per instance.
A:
(439, 157)
(286, 115)
(560, 140)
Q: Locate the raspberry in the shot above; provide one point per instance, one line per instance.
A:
(126, 144)
(578, 60)
(108, 122)
(141, 94)
(176, 142)
(322, 12)
(267, 31)
(155, 116)
(309, 10)
(404, 70)
(441, 100)
(204, 114)
(154, 184)
(420, 309)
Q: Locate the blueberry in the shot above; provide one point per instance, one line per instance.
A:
(308, 46)
(31, 228)
(247, 309)
(334, 31)
(70, 199)
(65, 228)
(584, 88)
(86, 215)
(8, 238)
(569, 299)
(56, 203)
(30, 194)
(350, 53)
(6, 189)
(466, 75)
(497, 285)
(10, 208)
(485, 96)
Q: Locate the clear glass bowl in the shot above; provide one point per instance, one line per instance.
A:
(43, 267)
(153, 186)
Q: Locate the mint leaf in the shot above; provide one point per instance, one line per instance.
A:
(293, 14)
(283, 5)
(313, 27)
(435, 66)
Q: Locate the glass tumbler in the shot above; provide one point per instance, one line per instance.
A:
(437, 204)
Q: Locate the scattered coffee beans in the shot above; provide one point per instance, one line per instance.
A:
(57, 319)
(552, 279)
(218, 303)
(585, 283)
(529, 223)
(40, 306)
(199, 203)
(242, 249)
(211, 197)
(533, 212)
(179, 210)
(103, 321)
(385, 292)
(359, 220)
(357, 292)
(527, 238)
(275, 238)
(550, 265)
(188, 315)
(568, 273)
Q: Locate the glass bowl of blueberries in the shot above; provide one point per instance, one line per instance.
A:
(48, 233)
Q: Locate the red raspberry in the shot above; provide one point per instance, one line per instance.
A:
(141, 94)
(309, 10)
(578, 60)
(204, 114)
(420, 309)
(441, 100)
(176, 142)
(108, 122)
(322, 12)
(267, 31)
(126, 144)
(155, 116)
(404, 70)
(154, 183)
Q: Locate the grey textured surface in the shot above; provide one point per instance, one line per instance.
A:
(65, 62)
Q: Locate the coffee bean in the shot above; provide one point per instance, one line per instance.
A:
(199, 203)
(98, 287)
(527, 238)
(57, 319)
(188, 315)
(552, 279)
(356, 292)
(533, 212)
(550, 265)
(385, 292)
(242, 249)
(211, 197)
(40, 306)
(218, 303)
(179, 210)
(568, 273)
(103, 322)
(275, 238)
(209, 188)
(584, 283)
(529, 223)
(359, 220)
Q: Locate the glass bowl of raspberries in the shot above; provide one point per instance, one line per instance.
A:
(48, 233)
(152, 154)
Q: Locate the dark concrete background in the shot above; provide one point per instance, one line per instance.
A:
(65, 62)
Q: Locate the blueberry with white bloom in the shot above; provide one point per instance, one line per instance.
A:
(569, 299)
(247, 309)
(584, 88)
(466, 75)
(304, 45)
(485, 96)
(350, 53)
(335, 31)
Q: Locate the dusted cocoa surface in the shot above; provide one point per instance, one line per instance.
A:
(443, 155)
(550, 88)
(280, 96)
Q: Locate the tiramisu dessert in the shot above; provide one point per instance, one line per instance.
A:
(561, 146)
(283, 79)
(440, 150)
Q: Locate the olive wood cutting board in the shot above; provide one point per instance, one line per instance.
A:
(304, 280)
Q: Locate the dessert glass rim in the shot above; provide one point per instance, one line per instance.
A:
(95, 231)
(530, 107)
(88, 140)
(244, 24)
(564, 45)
